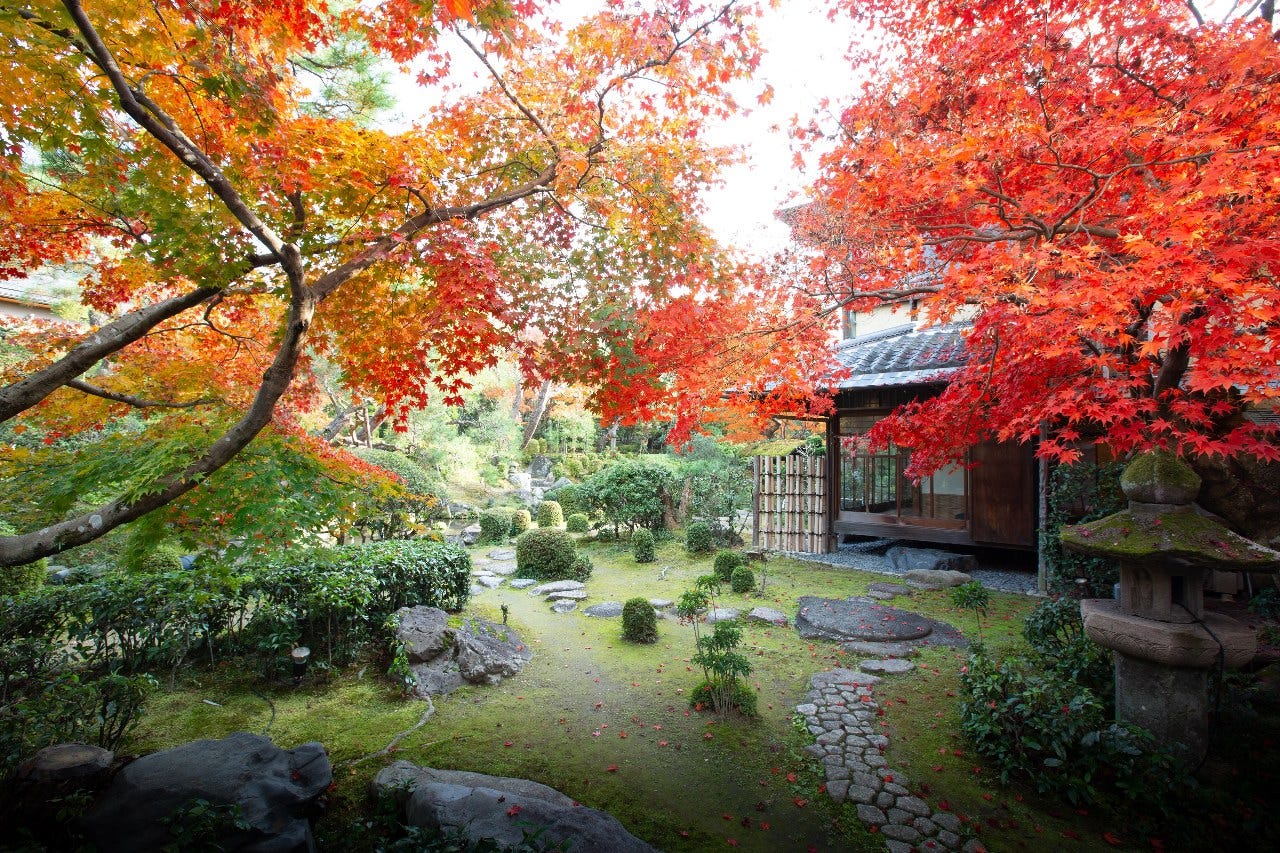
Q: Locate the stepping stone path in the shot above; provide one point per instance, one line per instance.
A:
(522, 583)
(866, 648)
(862, 619)
(605, 610)
(769, 615)
(568, 595)
(502, 554)
(885, 591)
(564, 606)
(892, 666)
(840, 712)
(661, 603)
(489, 581)
(556, 586)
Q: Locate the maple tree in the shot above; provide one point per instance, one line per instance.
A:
(237, 219)
(1093, 183)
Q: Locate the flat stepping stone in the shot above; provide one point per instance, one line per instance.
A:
(605, 610)
(768, 614)
(880, 596)
(936, 578)
(661, 603)
(556, 586)
(568, 595)
(721, 614)
(841, 677)
(857, 619)
(503, 567)
(476, 589)
(564, 606)
(888, 588)
(502, 554)
(522, 583)
(892, 666)
(868, 648)
(489, 581)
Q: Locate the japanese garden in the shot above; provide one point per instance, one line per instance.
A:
(520, 425)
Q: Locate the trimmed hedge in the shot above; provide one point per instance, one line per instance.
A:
(577, 523)
(550, 514)
(639, 621)
(698, 539)
(495, 525)
(547, 554)
(642, 546)
(521, 521)
(742, 581)
(726, 562)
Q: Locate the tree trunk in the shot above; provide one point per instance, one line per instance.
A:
(608, 436)
(539, 410)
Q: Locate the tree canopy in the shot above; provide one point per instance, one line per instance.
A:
(211, 168)
(1093, 183)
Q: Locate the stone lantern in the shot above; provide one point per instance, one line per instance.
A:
(1164, 643)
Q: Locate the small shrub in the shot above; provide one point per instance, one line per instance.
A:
(742, 581)
(166, 557)
(577, 523)
(726, 562)
(547, 554)
(495, 525)
(550, 514)
(521, 521)
(639, 621)
(698, 539)
(582, 568)
(740, 696)
(569, 499)
(606, 534)
(642, 546)
(20, 579)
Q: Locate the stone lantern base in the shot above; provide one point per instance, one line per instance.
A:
(1170, 702)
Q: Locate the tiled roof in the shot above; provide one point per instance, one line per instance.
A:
(13, 292)
(902, 356)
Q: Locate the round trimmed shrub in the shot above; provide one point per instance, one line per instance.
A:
(642, 546)
(547, 554)
(697, 538)
(163, 558)
(521, 521)
(726, 562)
(582, 567)
(639, 621)
(606, 534)
(569, 498)
(21, 579)
(495, 525)
(742, 581)
(577, 523)
(550, 514)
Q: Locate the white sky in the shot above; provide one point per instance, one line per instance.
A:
(803, 61)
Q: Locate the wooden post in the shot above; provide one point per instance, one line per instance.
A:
(755, 502)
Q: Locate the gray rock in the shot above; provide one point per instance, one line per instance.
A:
(605, 610)
(661, 603)
(915, 805)
(807, 709)
(948, 839)
(837, 788)
(889, 588)
(926, 826)
(470, 535)
(880, 596)
(907, 834)
(436, 678)
(556, 586)
(540, 467)
(871, 815)
(947, 821)
(488, 652)
(880, 650)
(424, 632)
(840, 677)
(521, 583)
(65, 761)
(768, 614)
(273, 788)
(501, 554)
(928, 579)
(857, 619)
(489, 581)
(904, 560)
(898, 846)
(721, 614)
(502, 567)
(502, 809)
(564, 606)
(568, 595)
(893, 666)
(861, 794)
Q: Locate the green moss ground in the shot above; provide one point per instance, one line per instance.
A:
(607, 721)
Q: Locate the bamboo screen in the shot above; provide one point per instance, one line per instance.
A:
(791, 504)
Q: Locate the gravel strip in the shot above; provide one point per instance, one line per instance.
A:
(855, 557)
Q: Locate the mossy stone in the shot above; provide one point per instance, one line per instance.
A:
(1184, 536)
(1159, 477)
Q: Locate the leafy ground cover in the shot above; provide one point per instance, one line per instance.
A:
(608, 722)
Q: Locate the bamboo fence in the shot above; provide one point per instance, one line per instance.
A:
(791, 504)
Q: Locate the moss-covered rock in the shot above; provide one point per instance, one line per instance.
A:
(1159, 477)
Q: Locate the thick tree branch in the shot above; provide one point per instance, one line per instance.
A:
(136, 402)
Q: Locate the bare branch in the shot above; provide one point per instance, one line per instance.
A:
(136, 402)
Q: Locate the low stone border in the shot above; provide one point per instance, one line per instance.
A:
(840, 711)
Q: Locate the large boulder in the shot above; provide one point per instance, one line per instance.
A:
(499, 808)
(442, 658)
(66, 762)
(271, 790)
